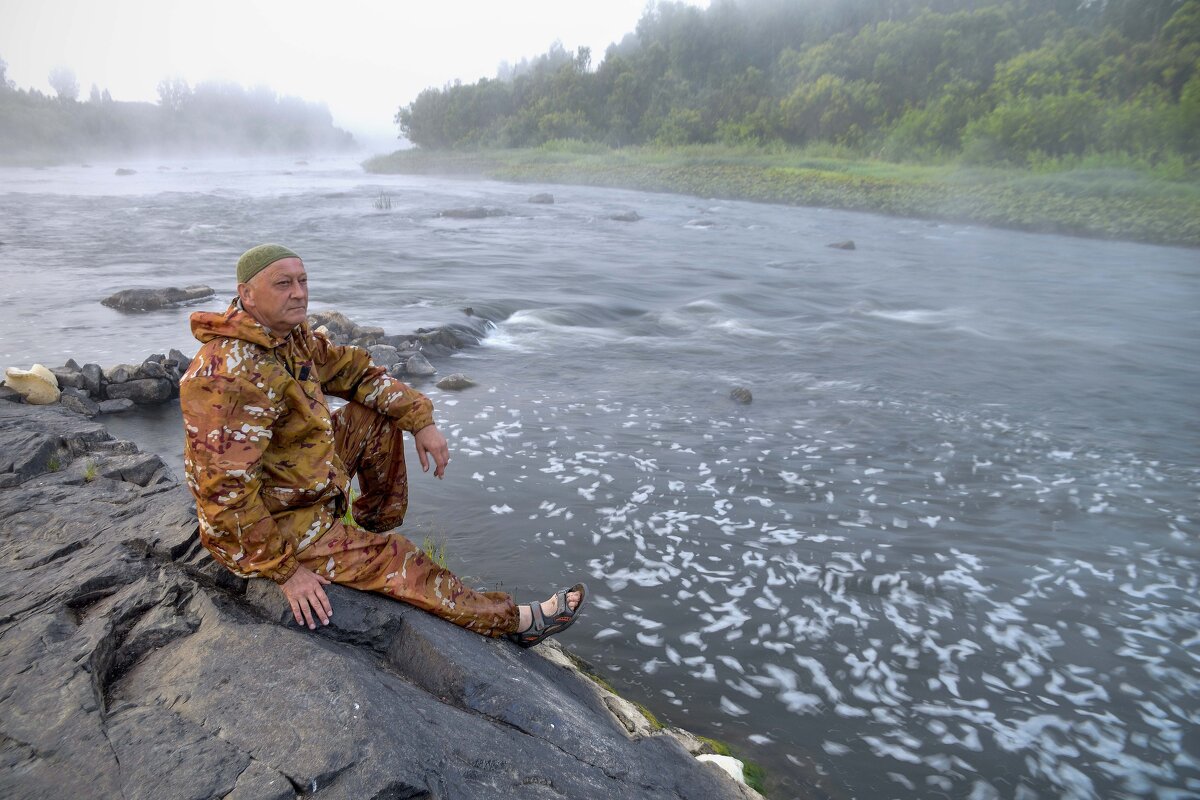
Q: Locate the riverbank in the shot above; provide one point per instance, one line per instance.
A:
(1111, 203)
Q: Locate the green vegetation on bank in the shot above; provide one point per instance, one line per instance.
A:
(1074, 116)
(991, 82)
(1090, 197)
(209, 118)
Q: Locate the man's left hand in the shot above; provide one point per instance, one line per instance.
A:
(431, 444)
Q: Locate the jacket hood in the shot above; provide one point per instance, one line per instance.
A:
(233, 323)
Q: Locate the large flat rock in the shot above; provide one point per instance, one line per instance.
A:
(133, 666)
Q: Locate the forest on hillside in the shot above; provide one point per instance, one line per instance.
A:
(984, 81)
(210, 118)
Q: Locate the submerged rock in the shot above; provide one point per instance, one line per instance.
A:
(418, 365)
(135, 666)
(472, 212)
(626, 216)
(455, 382)
(742, 395)
(154, 299)
(542, 198)
(123, 171)
(846, 245)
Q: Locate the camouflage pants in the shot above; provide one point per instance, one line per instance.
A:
(372, 448)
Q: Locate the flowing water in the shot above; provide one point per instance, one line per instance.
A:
(950, 549)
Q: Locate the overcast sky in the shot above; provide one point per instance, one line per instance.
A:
(363, 59)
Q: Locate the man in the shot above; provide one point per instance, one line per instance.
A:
(270, 466)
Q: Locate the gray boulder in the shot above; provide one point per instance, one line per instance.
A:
(455, 382)
(93, 378)
(154, 299)
(418, 365)
(151, 369)
(626, 216)
(742, 395)
(141, 390)
(79, 401)
(384, 355)
(68, 377)
(542, 198)
(116, 406)
(120, 373)
(134, 666)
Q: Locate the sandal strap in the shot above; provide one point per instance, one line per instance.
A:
(539, 621)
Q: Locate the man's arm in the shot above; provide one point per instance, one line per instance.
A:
(348, 372)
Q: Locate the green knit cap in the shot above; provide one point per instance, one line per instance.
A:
(256, 259)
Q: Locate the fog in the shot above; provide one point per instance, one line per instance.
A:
(364, 61)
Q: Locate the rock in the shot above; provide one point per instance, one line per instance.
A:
(384, 355)
(151, 369)
(626, 216)
(123, 171)
(742, 395)
(116, 406)
(93, 378)
(120, 373)
(472, 212)
(542, 198)
(72, 365)
(179, 358)
(11, 395)
(154, 299)
(455, 382)
(37, 385)
(66, 376)
(134, 666)
(418, 365)
(141, 390)
(728, 764)
(77, 400)
(846, 245)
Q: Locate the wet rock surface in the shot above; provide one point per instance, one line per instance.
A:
(154, 299)
(134, 666)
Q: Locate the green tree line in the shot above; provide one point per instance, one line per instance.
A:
(998, 82)
(207, 118)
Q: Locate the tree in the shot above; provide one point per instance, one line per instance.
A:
(62, 81)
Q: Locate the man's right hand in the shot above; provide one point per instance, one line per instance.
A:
(306, 597)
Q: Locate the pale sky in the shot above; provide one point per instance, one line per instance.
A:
(363, 59)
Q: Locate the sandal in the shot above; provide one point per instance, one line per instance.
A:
(544, 626)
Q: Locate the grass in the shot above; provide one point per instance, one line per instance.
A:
(90, 471)
(1112, 197)
(436, 550)
(754, 774)
(54, 464)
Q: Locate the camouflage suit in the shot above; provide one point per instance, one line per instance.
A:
(270, 466)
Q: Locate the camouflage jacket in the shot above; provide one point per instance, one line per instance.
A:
(259, 449)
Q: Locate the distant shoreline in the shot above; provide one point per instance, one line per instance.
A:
(1105, 203)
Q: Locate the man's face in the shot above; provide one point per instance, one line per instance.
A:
(278, 296)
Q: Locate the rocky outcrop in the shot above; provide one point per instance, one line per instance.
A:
(154, 299)
(91, 390)
(134, 666)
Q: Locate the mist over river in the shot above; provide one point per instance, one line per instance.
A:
(950, 549)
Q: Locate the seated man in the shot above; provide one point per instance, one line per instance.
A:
(270, 466)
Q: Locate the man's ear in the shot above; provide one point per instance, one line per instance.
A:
(243, 290)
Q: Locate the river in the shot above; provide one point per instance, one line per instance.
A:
(949, 550)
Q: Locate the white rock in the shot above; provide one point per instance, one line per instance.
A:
(37, 384)
(733, 766)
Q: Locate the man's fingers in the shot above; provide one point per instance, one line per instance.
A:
(308, 620)
(296, 611)
(423, 458)
(325, 610)
(322, 578)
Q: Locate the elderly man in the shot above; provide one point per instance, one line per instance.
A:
(270, 466)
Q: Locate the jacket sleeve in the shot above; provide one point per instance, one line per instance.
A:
(228, 426)
(348, 372)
